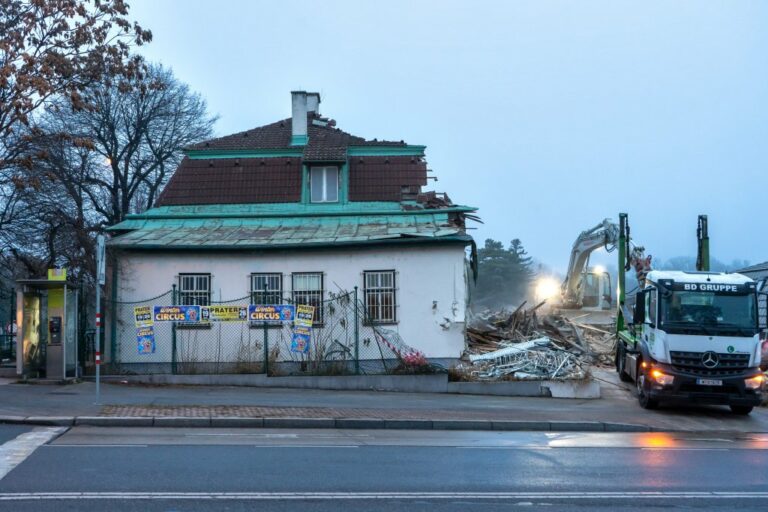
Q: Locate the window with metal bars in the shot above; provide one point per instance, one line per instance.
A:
(307, 288)
(266, 288)
(379, 293)
(194, 289)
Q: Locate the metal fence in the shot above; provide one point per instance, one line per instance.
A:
(7, 348)
(344, 342)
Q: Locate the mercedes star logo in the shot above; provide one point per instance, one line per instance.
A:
(710, 359)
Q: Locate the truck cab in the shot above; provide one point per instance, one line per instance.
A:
(695, 338)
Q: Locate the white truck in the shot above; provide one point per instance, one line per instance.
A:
(693, 337)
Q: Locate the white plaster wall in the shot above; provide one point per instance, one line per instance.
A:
(430, 281)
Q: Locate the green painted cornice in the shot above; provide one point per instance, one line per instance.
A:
(299, 140)
(298, 151)
(296, 213)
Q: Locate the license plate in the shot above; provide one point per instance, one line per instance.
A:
(709, 382)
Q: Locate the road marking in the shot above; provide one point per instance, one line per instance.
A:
(504, 447)
(692, 449)
(304, 446)
(15, 451)
(97, 446)
(263, 496)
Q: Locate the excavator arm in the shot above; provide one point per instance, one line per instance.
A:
(603, 235)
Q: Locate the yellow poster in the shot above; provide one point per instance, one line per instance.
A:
(143, 316)
(304, 315)
(224, 313)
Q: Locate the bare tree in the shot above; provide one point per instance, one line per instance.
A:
(86, 169)
(140, 135)
(54, 49)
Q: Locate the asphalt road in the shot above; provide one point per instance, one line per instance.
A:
(152, 469)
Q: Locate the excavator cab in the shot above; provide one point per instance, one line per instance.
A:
(596, 285)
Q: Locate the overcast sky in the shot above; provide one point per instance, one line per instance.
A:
(547, 115)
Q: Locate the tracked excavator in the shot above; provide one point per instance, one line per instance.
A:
(588, 289)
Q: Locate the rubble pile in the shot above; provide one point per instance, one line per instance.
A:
(522, 344)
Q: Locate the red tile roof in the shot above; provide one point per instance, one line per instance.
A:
(234, 181)
(384, 178)
(326, 142)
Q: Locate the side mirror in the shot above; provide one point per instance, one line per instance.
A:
(639, 308)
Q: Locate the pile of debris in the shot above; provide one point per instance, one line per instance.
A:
(523, 345)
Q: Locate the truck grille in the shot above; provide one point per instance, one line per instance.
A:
(691, 362)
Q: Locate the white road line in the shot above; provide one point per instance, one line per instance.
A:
(261, 496)
(305, 446)
(672, 449)
(504, 447)
(15, 451)
(97, 446)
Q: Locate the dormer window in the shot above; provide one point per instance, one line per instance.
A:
(324, 184)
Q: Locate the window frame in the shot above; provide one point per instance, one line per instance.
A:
(195, 291)
(379, 291)
(180, 302)
(319, 318)
(271, 292)
(324, 169)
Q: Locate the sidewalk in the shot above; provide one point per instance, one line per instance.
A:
(211, 406)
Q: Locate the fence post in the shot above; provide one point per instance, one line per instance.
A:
(173, 334)
(357, 336)
(266, 335)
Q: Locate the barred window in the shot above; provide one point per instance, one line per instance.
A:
(379, 292)
(308, 289)
(273, 283)
(194, 289)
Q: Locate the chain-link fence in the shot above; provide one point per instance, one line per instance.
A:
(7, 331)
(342, 341)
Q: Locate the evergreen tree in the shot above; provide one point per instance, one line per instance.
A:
(504, 275)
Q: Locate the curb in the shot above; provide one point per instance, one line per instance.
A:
(327, 423)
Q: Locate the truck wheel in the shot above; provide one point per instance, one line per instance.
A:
(621, 361)
(742, 410)
(643, 392)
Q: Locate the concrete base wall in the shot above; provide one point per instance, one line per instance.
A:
(397, 383)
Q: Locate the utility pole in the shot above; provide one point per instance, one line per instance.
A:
(100, 280)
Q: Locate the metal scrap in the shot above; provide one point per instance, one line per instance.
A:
(522, 345)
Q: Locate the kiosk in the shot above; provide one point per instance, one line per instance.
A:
(46, 312)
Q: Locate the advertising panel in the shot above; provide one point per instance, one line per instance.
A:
(177, 314)
(271, 314)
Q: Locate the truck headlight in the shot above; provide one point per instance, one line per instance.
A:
(754, 382)
(661, 377)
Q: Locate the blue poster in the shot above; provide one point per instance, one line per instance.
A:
(273, 314)
(146, 338)
(177, 314)
(300, 339)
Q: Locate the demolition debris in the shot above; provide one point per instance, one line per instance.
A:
(522, 345)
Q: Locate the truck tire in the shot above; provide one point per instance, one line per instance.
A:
(621, 361)
(643, 392)
(742, 410)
